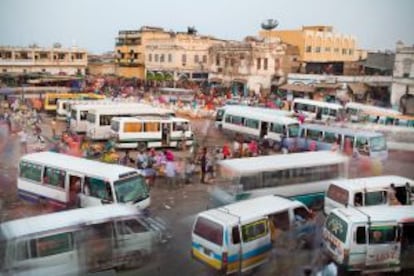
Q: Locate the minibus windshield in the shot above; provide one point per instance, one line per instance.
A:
(131, 189)
(293, 130)
(378, 143)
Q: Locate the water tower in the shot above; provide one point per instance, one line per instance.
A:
(268, 25)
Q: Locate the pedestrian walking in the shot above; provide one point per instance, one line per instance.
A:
(170, 174)
(23, 141)
(53, 126)
(203, 165)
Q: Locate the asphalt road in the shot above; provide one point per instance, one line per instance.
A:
(177, 207)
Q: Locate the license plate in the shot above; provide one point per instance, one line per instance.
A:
(207, 251)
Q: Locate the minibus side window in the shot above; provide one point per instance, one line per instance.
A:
(255, 230)
(235, 235)
(131, 226)
(30, 171)
(21, 250)
(51, 245)
(361, 235)
(375, 198)
(382, 234)
(98, 188)
(54, 177)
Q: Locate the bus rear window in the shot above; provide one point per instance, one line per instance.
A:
(337, 227)
(209, 230)
(337, 194)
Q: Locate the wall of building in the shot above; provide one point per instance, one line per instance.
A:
(318, 43)
(43, 60)
(403, 75)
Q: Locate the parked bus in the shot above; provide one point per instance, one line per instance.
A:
(238, 237)
(64, 106)
(366, 143)
(63, 181)
(357, 112)
(174, 94)
(78, 242)
(301, 176)
(50, 102)
(151, 132)
(258, 123)
(370, 239)
(98, 126)
(317, 110)
(369, 191)
(79, 112)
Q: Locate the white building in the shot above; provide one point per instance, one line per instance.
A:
(403, 76)
(54, 60)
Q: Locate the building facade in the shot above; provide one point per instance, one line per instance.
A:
(320, 48)
(101, 65)
(179, 57)
(249, 66)
(402, 91)
(130, 50)
(54, 60)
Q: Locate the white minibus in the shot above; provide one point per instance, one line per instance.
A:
(151, 132)
(63, 106)
(238, 237)
(361, 142)
(79, 112)
(369, 191)
(370, 239)
(63, 180)
(258, 123)
(77, 242)
(301, 176)
(357, 112)
(317, 110)
(98, 125)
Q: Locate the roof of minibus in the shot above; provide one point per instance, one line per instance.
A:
(149, 118)
(260, 113)
(282, 161)
(372, 108)
(128, 108)
(94, 168)
(373, 182)
(345, 131)
(104, 104)
(326, 104)
(59, 220)
(247, 210)
(376, 213)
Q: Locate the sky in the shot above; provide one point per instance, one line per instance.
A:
(94, 24)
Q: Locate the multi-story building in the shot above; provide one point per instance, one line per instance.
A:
(130, 50)
(180, 56)
(99, 65)
(247, 66)
(54, 60)
(402, 90)
(321, 49)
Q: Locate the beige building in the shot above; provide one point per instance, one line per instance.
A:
(321, 49)
(101, 65)
(180, 56)
(403, 78)
(249, 66)
(130, 50)
(55, 60)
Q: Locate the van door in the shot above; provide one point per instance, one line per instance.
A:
(95, 192)
(209, 243)
(383, 246)
(256, 243)
(74, 189)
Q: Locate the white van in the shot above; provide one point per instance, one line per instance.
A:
(370, 239)
(76, 242)
(239, 236)
(369, 191)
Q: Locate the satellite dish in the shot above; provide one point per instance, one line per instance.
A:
(269, 24)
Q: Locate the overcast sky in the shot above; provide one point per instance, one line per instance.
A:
(94, 24)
